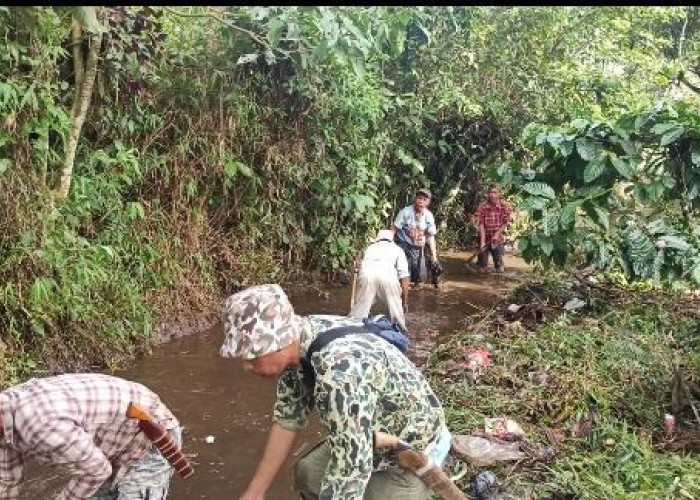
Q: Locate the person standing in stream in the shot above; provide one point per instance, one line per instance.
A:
(413, 227)
(492, 218)
(384, 275)
(361, 384)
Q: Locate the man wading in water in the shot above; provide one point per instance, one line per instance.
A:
(384, 275)
(78, 422)
(362, 384)
(492, 218)
(414, 226)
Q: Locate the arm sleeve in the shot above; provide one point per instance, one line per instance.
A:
(11, 471)
(398, 221)
(480, 215)
(430, 227)
(346, 403)
(73, 450)
(294, 402)
(507, 211)
(401, 264)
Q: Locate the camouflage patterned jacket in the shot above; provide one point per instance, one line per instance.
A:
(363, 384)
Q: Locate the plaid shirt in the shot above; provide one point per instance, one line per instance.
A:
(77, 422)
(492, 217)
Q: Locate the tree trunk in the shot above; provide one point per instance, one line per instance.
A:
(83, 99)
(78, 70)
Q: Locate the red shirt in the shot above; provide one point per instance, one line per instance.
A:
(492, 217)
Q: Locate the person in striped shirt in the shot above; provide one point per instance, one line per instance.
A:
(78, 423)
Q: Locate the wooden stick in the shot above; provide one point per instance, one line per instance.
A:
(354, 284)
(432, 475)
(161, 439)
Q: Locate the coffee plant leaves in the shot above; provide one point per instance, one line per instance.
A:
(594, 169)
(539, 189)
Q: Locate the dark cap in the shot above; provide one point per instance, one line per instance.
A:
(424, 192)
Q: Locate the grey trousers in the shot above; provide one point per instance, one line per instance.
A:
(147, 479)
(393, 483)
(382, 286)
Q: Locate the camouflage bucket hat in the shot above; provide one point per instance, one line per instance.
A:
(257, 321)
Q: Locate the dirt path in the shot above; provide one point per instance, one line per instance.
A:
(213, 396)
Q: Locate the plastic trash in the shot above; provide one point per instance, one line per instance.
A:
(482, 483)
(513, 308)
(574, 304)
(503, 428)
(209, 439)
(482, 452)
(477, 362)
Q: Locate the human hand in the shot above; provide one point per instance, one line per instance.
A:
(252, 495)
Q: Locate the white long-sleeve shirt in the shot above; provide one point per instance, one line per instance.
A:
(384, 256)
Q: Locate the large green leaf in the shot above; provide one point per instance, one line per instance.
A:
(675, 242)
(623, 167)
(671, 136)
(587, 149)
(539, 189)
(593, 170)
(662, 128)
(547, 246)
(568, 213)
(603, 217)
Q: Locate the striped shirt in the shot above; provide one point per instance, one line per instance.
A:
(492, 217)
(77, 422)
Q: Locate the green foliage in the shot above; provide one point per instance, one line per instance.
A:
(229, 146)
(627, 193)
(617, 355)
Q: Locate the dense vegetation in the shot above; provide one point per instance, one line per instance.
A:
(153, 158)
(594, 385)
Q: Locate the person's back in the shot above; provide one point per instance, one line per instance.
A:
(77, 421)
(363, 384)
(384, 256)
(384, 275)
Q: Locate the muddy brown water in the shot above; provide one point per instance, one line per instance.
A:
(213, 396)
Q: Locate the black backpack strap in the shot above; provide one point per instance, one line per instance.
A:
(323, 340)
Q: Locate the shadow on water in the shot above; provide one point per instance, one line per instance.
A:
(213, 396)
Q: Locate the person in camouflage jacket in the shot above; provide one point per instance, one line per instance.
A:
(363, 384)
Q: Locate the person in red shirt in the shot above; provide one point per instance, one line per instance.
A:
(492, 217)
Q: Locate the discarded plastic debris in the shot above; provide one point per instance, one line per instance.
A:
(574, 304)
(209, 439)
(503, 428)
(477, 362)
(482, 452)
(513, 308)
(670, 425)
(482, 483)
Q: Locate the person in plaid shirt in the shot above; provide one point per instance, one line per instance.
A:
(492, 217)
(78, 422)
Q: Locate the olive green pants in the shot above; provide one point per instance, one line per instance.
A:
(393, 483)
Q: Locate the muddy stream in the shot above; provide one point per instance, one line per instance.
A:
(213, 396)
